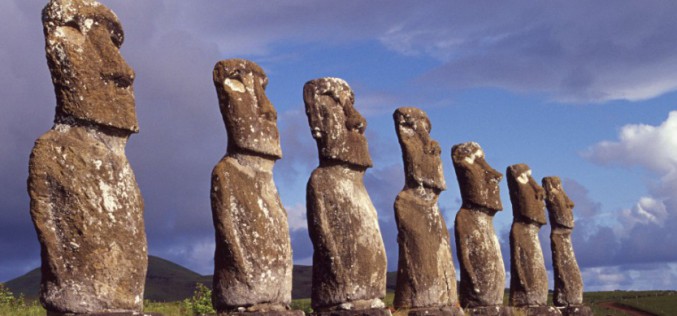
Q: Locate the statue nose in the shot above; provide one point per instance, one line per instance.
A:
(267, 110)
(540, 193)
(116, 70)
(354, 120)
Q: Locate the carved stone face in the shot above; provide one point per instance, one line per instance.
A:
(477, 180)
(251, 120)
(421, 154)
(526, 195)
(560, 207)
(92, 81)
(336, 126)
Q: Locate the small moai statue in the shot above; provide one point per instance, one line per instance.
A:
(426, 277)
(85, 203)
(528, 277)
(482, 284)
(349, 259)
(253, 257)
(568, 296)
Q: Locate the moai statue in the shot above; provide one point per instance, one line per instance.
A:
(479, 253)
(568, 296)
(426, 277)
(253, 257)
(528, 278)
(349, 259)
(85, 203)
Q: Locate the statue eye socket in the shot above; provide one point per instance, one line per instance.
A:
(73, 24)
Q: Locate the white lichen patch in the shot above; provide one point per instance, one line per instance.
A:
(234, 85)
(61, 128)
(524, 177)
(110, 201)
(87, 25)
(477, 154)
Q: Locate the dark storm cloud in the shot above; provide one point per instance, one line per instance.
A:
(574, 52)
(28, 109)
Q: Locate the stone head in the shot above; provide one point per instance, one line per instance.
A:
(92, 81)
(251, 120)
(526, 195)
(560, 207)
(421, 154)
(336, 126)
(477, 180)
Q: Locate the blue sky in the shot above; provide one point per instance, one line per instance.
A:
(584, 91)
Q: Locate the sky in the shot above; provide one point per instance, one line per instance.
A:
(583, 90)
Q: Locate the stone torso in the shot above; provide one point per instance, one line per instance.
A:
(349, 261)
(426, 275)
(528, 277)
(482, 270)
(567, 274)
(253, 262)
(83, 192)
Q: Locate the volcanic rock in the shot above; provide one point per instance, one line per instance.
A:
(479, 253)
(253, 259)
(568, 295)
(426, 277)
(528, 277)
(349, 259)
(85, 203)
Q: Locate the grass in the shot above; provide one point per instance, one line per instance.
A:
(656, 302)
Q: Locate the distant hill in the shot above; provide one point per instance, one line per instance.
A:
(167, 281)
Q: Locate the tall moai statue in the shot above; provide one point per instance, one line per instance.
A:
(349, 259)
(482, 284)
(568, 296)
(253, 257)
(426, 277)
(528, 277)
(85, 203)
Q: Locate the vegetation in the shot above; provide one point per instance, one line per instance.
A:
(655, 302)
(201, 302)
(16, 306)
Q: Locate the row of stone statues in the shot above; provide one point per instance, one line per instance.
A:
(88, 211)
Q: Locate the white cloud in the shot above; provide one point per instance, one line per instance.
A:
(647, 211)
(652, 147)
(296, 216)
(644, 232)
(631, 277)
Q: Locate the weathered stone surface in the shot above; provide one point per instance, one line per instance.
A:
(349, 259)
(105, 314)
(361, 312)
(479, 253)
(568, 280)
(536, 311)
(266, 313)
(85, 204)
(490, 311)
(339, 133)
(576, 310)
(83, 39)
(431, 311)
(426, 276)
(253, 260)
(528, 277)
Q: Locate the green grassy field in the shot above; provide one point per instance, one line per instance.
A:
(654, 302)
